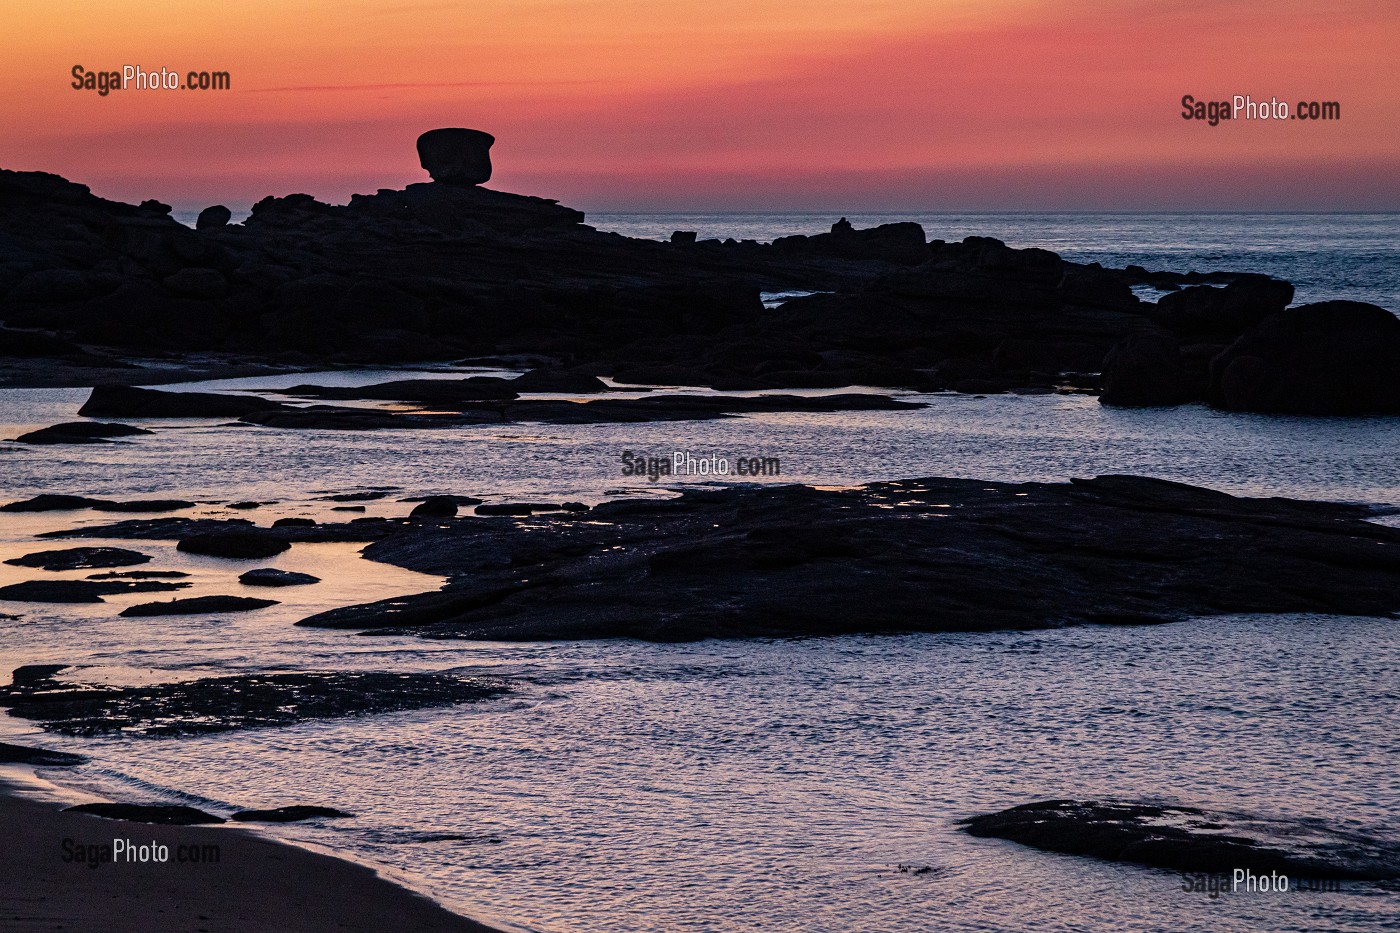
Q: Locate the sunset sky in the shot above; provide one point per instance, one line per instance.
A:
(722, 104)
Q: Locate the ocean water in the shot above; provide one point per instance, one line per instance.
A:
(1325, 256)
(751, 785)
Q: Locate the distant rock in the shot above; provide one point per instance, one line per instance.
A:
(1330, 358)
(198, 605)
(269, 576)
(214, 216)
(134, 402)
(235, 545)
(1188, 839)
(80, 432)
(161, 814)
(81, 558)
(289, 814)
(456, 156)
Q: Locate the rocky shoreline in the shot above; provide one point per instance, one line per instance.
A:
(92, 290)
(912, 555)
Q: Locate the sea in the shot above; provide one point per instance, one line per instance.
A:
(776, 785)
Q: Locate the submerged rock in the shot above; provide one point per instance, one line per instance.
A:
(1188, 839)
(243, 701)
(81, 558)
(198, 605)
(269, 576)
(158, 813)
(288, 814)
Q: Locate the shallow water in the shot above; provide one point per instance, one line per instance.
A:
(743, 785)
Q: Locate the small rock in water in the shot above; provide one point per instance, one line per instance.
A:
(163, 814)
(80, 432)
(289, 814)
(435, 507)
(269, 576)
(197, 605)
(23, 755)
(80, 591)
(80, 558)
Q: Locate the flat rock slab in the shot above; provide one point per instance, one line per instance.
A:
(81, 591)
(163, 814)
(234, 545)
(198, 605)
(22, 755)
(243, 701)
(268, 576)
(913, 555)
(54, 502)
(1192, 840)
(291, 814)
(81, 558)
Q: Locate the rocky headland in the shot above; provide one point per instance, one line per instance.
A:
(448, 270)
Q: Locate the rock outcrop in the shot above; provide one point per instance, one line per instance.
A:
(1188, 839)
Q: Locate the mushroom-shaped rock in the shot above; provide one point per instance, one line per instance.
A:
(456, 156)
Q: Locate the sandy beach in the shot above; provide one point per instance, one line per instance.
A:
(256, 884)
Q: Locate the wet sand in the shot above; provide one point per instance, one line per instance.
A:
(256, 885)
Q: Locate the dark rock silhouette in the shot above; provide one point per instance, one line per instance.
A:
(133, 402)
(456, 156)
(268, 576)
(164, 814)
(81, 558)
(289, 814)
(54, 502)
(197, 605)
(81, 591)
(80, 432)
(913, 555)
(215, 216)
(1146, 370)
(1331, 358)
(435, 507)
(22, 755)
(240, 701)
(236, 545)
(1189, 839)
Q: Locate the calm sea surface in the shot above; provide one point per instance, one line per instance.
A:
(771, 785)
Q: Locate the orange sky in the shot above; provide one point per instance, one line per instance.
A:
(722, 104)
